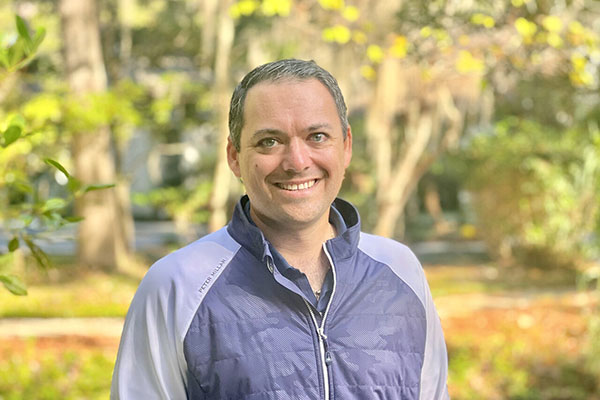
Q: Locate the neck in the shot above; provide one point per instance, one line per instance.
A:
(296, 241)
(302, 247)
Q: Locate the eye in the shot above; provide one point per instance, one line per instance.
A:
(318, 137)
(267, 143)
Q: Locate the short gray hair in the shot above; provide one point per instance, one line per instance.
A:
(276, 71)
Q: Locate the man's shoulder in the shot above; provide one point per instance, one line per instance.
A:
(203, 250)
(383, 248)
(191, 264)
(396, 256)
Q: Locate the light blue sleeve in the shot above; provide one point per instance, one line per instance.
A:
(434, 375)
(150, 362)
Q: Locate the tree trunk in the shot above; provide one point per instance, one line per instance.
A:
(394, 193)
(379, 123)
(222, 178)
(210, 13)
(425, 138)
(126, 11)
(99, 236)
(433, 205)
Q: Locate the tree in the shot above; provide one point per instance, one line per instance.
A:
(100, 238)
(26, 213)
(436, 69)
(222, 177)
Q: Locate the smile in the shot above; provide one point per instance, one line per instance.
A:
(294, 186)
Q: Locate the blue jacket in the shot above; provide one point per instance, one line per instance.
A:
(218, 320)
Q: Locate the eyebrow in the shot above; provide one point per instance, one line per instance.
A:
(317, 127)
(273, 131)
(267, 131)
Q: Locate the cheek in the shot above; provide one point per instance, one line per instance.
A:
(262, 166)
(335, 162)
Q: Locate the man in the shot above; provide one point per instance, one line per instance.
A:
(290, 300)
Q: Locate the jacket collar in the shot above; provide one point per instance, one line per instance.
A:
(344, 245)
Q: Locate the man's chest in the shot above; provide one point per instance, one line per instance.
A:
(246, 343)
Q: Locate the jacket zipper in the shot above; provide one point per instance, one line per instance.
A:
(324, 354)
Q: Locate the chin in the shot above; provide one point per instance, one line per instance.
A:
(305, 215)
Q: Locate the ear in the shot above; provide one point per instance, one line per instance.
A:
(348, 147)
(233, 158)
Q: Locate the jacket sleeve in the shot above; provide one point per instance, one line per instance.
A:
(434, 374)
(150, 362)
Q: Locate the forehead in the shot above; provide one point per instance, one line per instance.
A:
(289, 101)
(303, 89)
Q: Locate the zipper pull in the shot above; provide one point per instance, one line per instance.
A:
(328, 359)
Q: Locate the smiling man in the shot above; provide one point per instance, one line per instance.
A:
(290, 300)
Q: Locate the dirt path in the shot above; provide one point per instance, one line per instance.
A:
(49, 327)
(459, 305)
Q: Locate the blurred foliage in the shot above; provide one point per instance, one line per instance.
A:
(178, 111)
(72, 296)
(517, 333)
(21, 51)
(32, 132)
(191, 204)
(18, 214)
(541, 205)
(496, 368)
(68, 374)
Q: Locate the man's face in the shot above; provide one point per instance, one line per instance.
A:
(292, 154)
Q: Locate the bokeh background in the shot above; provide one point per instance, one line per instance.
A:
(476, 130)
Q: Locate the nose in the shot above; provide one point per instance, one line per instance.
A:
(297, 156)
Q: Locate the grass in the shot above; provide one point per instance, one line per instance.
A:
(69, 371)
(491, 279)
(91, 295)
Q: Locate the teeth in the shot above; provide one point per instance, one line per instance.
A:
(301, 186)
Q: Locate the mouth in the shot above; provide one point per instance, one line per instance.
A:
(292, 187)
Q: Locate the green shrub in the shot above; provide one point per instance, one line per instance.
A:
(535, 192)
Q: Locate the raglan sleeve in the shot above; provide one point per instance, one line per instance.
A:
(434, 375)
(150, 362)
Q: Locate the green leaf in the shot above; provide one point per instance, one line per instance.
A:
(52, 220)
(54, 203)
(57, 165)
(23, 186)
(13, 244)
(40, 256)
(27, 219)
(18, 120)
(15, 54)
(23, 30)
(73, 185)
(13, 284)
(74, 219)
(11, 135)
(4, 58)
(39, 36)
(98, 187)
